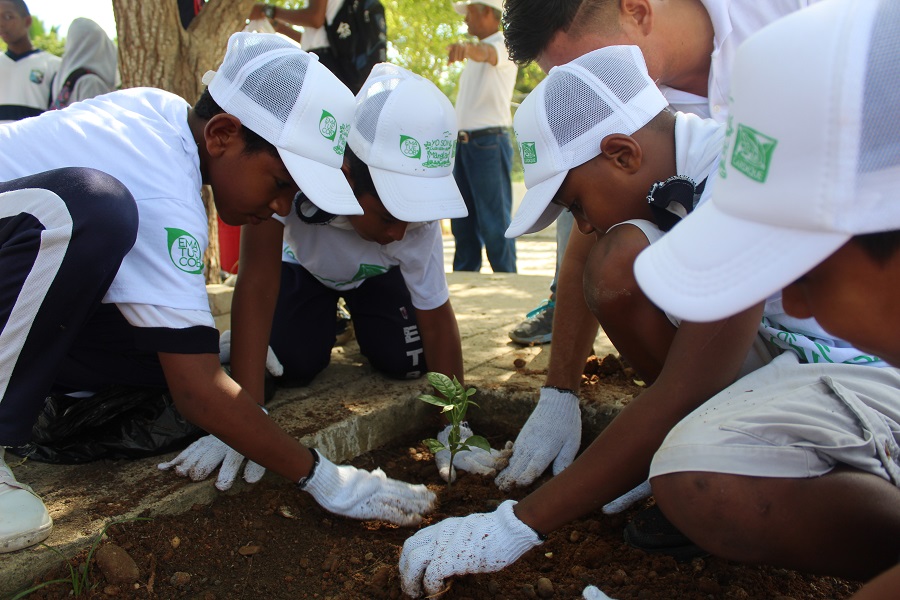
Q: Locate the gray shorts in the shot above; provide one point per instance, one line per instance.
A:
(792, 420)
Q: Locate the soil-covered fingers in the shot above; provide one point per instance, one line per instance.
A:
(199, 459)
(253, 472)
(417, 554)
(524, 467)
(229, 469)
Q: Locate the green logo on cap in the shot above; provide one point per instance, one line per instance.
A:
(752, 153)
(528, 152)
(342, 139)
(410, 147)
(328, 125)
(184, 250)
(440, 152)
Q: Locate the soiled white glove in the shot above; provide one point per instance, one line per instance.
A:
(592, 593)
(476, 460)
(273, 365)
(199, 459)
(480, 543)
(551, 434)
(628, 498)
(359, 494)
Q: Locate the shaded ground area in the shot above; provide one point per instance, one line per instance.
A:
(271, 541)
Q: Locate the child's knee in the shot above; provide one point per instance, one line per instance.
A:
(609, 280)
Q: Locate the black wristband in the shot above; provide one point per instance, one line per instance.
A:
(312, 470)
(559, 389)
(269, 11)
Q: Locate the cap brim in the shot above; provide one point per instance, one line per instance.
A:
(537, 210)
(417, 199)
(713, 265)
(325, 186)
(460, 7)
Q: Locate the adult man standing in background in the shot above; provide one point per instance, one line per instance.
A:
(484, 151)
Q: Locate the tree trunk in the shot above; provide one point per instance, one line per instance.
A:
(156, 51)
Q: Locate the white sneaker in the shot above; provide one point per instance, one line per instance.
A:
(24, 520)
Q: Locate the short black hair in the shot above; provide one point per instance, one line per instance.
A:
(528, 25)
(359, 172)
(20, 7)
(881, 246)
(206, 108)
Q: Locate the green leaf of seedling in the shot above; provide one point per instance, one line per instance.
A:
(435, 400)
(441, 383)
(434, 445)
(471, 392)
(478, 442)
(447, 408)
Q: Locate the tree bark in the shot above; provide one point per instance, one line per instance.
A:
(156, 51)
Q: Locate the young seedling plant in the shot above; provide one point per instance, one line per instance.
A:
(454, 403)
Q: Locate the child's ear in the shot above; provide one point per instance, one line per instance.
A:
(638, 14)
(221, 132)
(623, 151)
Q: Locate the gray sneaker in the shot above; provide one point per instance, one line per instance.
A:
(537, 328)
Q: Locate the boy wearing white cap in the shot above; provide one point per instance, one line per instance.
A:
(102, 242)
(689, 48)
(597, 155)
(799, 469)
(387, 263)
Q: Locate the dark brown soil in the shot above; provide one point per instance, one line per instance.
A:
(272, 541)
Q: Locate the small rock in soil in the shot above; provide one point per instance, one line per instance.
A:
(574, 537)
(708, 586)
(519, 363)
(175, 541)
(112, 590)
(116, 564)
(249, 550)
(180, 579)
(528, 591)
(544, 588)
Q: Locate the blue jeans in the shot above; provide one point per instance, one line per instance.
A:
(564, 223)
(482, 172)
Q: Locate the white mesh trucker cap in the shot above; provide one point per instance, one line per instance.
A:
(405, 130)
(811, 158)
(561, 123)
(284, 95)
(460, 7)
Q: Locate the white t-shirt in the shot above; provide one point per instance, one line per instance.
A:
(341, 260)
(25, 84)
(141, 137)
(733, 22)
(315, 37)
(485, 90)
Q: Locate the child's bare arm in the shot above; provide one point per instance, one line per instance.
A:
(253, 304)
(704, 359)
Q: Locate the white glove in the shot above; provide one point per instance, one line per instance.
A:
(273, 365)
(476, 460)
(551, 434)
(592, 593)
(199, 459)
(480, 543)
(359, 494)
(628, 498)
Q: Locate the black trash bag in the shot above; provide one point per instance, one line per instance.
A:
(118, 422)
